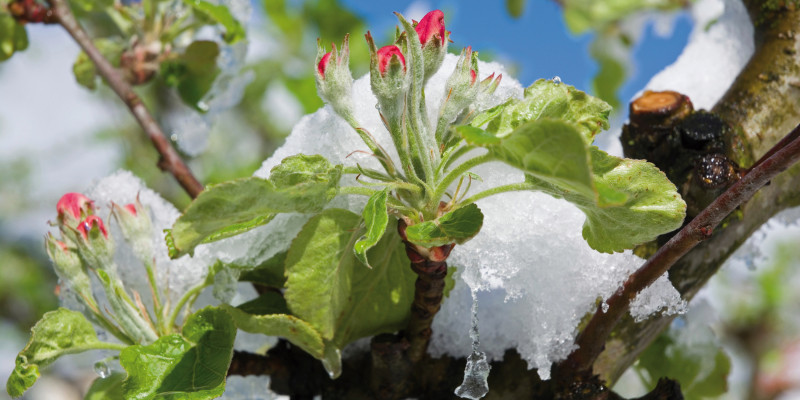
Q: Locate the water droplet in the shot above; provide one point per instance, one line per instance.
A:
(556, 79)
(475, 384)
(604, 307)
(203, 106)
(174, 137)
(378, 107)
(101, 369)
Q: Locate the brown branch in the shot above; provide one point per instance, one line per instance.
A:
(170, 160)
(593, 337)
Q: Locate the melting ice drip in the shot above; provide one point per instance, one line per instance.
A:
(475, 384)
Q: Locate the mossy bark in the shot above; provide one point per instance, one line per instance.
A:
(762, 106)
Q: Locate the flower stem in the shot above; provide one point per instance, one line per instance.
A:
(195, 290)
(513, 187)
(456, 172)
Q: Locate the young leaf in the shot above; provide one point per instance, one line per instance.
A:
(635, 203)
(84, 69)
(550, 150)
(299, 184)
(191, 366)
(349, 301)
(547, 99)
(220, 14)
(268, 273)
(106, 388)
(457, 226)
(376, 217)
(58, 333)
(193, 73)
(293, 329)
(13, 36)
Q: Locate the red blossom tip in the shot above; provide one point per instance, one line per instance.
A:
(74, 204)
(323, 63)
(431, 25)
(385, 55)
(86, 225)
(473, 76)
(131, 208)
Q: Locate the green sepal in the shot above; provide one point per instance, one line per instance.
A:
(58, 333)
(349, 301)
(191, 365)
(376, 218)
(635, 202)
(220, 14)
(457, 226)
(547, 99)
(300, 183)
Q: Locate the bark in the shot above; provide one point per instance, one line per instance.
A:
(761, 105)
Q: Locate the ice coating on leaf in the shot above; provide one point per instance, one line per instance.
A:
(720, 45)
(537, 275)
(652, 300)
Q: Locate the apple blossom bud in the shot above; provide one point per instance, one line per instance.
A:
(433, 38)
(485, 91)
(94, 244)
(68, 265)
(389, 78)
(72, 207)
(461, 88)
(136, 227)
(334, 80)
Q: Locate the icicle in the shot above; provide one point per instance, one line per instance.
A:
(475, 384)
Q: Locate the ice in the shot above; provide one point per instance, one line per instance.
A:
(476, 373)
(535, 275)
(720, 45)
(661, 295)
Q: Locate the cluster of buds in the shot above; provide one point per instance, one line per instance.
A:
(31, 11)
(85, 246)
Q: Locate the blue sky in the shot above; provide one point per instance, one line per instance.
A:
(538, 43)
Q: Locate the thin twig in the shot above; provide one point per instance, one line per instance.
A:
(170, 160)
(593, 337)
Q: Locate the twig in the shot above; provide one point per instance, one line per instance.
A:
(170, 160)
(593, 337)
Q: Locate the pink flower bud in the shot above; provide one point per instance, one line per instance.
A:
(431, 25)
(75, 204)
(473, 76)
(385, 56)
(88, 224)
(323, 63)
(131, 208)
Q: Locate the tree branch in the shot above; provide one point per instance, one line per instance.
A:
(170, 160)
(593, 337)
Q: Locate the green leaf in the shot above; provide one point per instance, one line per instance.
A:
(611, 54)
(376, 217)
(293, 329)
(13, 36)
(701, 367)
(550, 150)
(192, 365)
(268, 303)
(457, 226)
(269, 273)
(635, 203)
(515, 7)
(58, 333)
(349, 301)
(477, 136)
(84, 69)
(106, 388)
(547, 99)
(91, 5)
(193, 72)
(299, 184)
(219, 13)
(582, 15)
